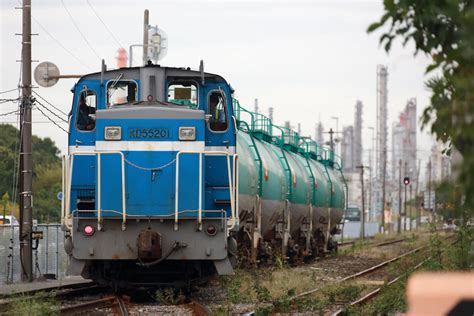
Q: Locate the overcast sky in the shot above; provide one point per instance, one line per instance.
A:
(307, 59)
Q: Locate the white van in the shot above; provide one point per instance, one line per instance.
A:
(8, 220)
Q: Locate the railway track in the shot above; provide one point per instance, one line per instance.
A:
(363, 272)
(368, 296)
(379, 244)
(117, 302)
(60, 293)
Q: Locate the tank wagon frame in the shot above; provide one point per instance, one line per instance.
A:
(167, 177)
(292, 191)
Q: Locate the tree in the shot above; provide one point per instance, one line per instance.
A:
(443, 30)
(46, 172)
(45, 152)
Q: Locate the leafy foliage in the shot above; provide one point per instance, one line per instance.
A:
(443, 30)
(46, 172)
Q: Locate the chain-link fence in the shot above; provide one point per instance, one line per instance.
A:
(49, 257)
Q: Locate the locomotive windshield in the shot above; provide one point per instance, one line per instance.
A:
(121, 92)
(183, 93)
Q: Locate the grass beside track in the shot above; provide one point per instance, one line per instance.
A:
(270, 289)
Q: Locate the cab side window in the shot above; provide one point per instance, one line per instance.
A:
(217, 110)
(85, 118)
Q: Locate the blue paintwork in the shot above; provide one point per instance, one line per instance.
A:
(150, 193)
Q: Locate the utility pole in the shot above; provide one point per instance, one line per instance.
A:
(416, 194)
(429, 186)
(405, 201)
(362, 212)
(331, 141)
(411, 208)
(383, 186)
(26, 163)
(145, 36)
(373, 217)
(399, 219)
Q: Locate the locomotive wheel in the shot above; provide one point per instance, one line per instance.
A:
(232, 251)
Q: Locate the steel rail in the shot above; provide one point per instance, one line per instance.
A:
(375, 292)
(363, 272)
(198, 308)
(121, 305)
(88, 305)
(68, 287)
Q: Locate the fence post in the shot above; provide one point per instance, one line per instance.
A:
(47, 248)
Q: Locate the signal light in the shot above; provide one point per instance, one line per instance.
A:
(89, 230)
(406, 181)
(211, 230)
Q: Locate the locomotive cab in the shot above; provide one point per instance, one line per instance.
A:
(150, 178)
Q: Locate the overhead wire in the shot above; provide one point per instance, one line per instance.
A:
(105, 25)
(55, 107)
(50, 111)
(52, 121)
(11, 90)
(61, 45)
(10, 113)
(8, 100)
(58, 42)
(79, 30)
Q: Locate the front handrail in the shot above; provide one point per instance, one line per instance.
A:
(99, 210)
(231, 190)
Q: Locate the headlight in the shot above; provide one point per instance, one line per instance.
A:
(113, 133)
(187, 133)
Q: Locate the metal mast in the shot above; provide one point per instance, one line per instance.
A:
(381, 137)
(26, 162)
(146, 23)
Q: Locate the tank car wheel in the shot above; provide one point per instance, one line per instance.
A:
(332, 245)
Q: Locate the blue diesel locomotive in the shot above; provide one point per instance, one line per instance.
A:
(165, 177)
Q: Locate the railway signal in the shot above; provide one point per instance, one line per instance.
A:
(406, 181)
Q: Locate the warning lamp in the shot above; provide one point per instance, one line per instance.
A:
(406, 181)
(89, 230)
(211, 230)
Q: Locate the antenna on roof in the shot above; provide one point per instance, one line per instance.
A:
(201, 70)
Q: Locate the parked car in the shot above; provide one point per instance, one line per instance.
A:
(8, 220)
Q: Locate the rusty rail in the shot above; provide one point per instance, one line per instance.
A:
(102, 302)
(115, 301)
(198, 308)
(375, 292)
(364, 272)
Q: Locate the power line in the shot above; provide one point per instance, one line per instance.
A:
(8, 100)
(9, 113)
(61, 45)
(6, 91)
(105, 25)
(34, 122)
(79, 30)
(51, 120)
(55, 107)
(44, 107)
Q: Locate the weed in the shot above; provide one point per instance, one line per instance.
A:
(40, 304)
(336, 293)
(263, 310)
(390, 301)
(168, 296)
(263, 294)
(282, 304)
(315, 305)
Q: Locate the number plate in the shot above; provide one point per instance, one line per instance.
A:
(148, 133)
